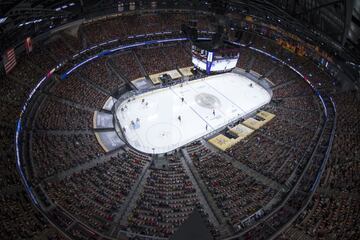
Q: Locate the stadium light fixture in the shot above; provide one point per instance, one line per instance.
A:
(3, 19)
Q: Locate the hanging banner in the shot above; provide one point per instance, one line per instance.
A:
(28, 45)
(209, 61)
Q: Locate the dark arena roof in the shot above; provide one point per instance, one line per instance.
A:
(111, 127)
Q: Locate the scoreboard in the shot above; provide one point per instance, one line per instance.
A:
(214, 61)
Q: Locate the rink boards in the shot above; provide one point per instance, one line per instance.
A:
(165, 119)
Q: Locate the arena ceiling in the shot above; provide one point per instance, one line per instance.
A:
(335, 20)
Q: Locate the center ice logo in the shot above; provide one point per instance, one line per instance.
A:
(207, 100)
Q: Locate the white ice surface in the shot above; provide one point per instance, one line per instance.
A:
(159, 129)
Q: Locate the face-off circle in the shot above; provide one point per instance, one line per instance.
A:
(164, 133)
(207, 100)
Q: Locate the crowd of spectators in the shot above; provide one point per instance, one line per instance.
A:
(269, 46)
(295, 89)
(150, 23)
(266, 156)
(335, 217)
(153, 59)
(282, 75)
(308, 119)
(99, 72)
(317, 77)
(74, 43)
(304, 103)
(344, 174)
(26, 72)
(59, 49)
(245, 56)
(262, 64)
(37, 59)
(95, 195)
(55, 115)
(80, 92)
(52, 154)
(14, 93)
(235, 193)
(8, 176)
(127, 65)
(334, 210)
(8, 115)
(178, 55)
(19, 220)
(288, 133)
(104, 31)
(133, 25)
(164, 58)
(168, 198)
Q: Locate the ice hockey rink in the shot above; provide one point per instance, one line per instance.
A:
(164, 119)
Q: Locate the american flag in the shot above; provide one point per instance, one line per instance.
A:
(9, 60)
